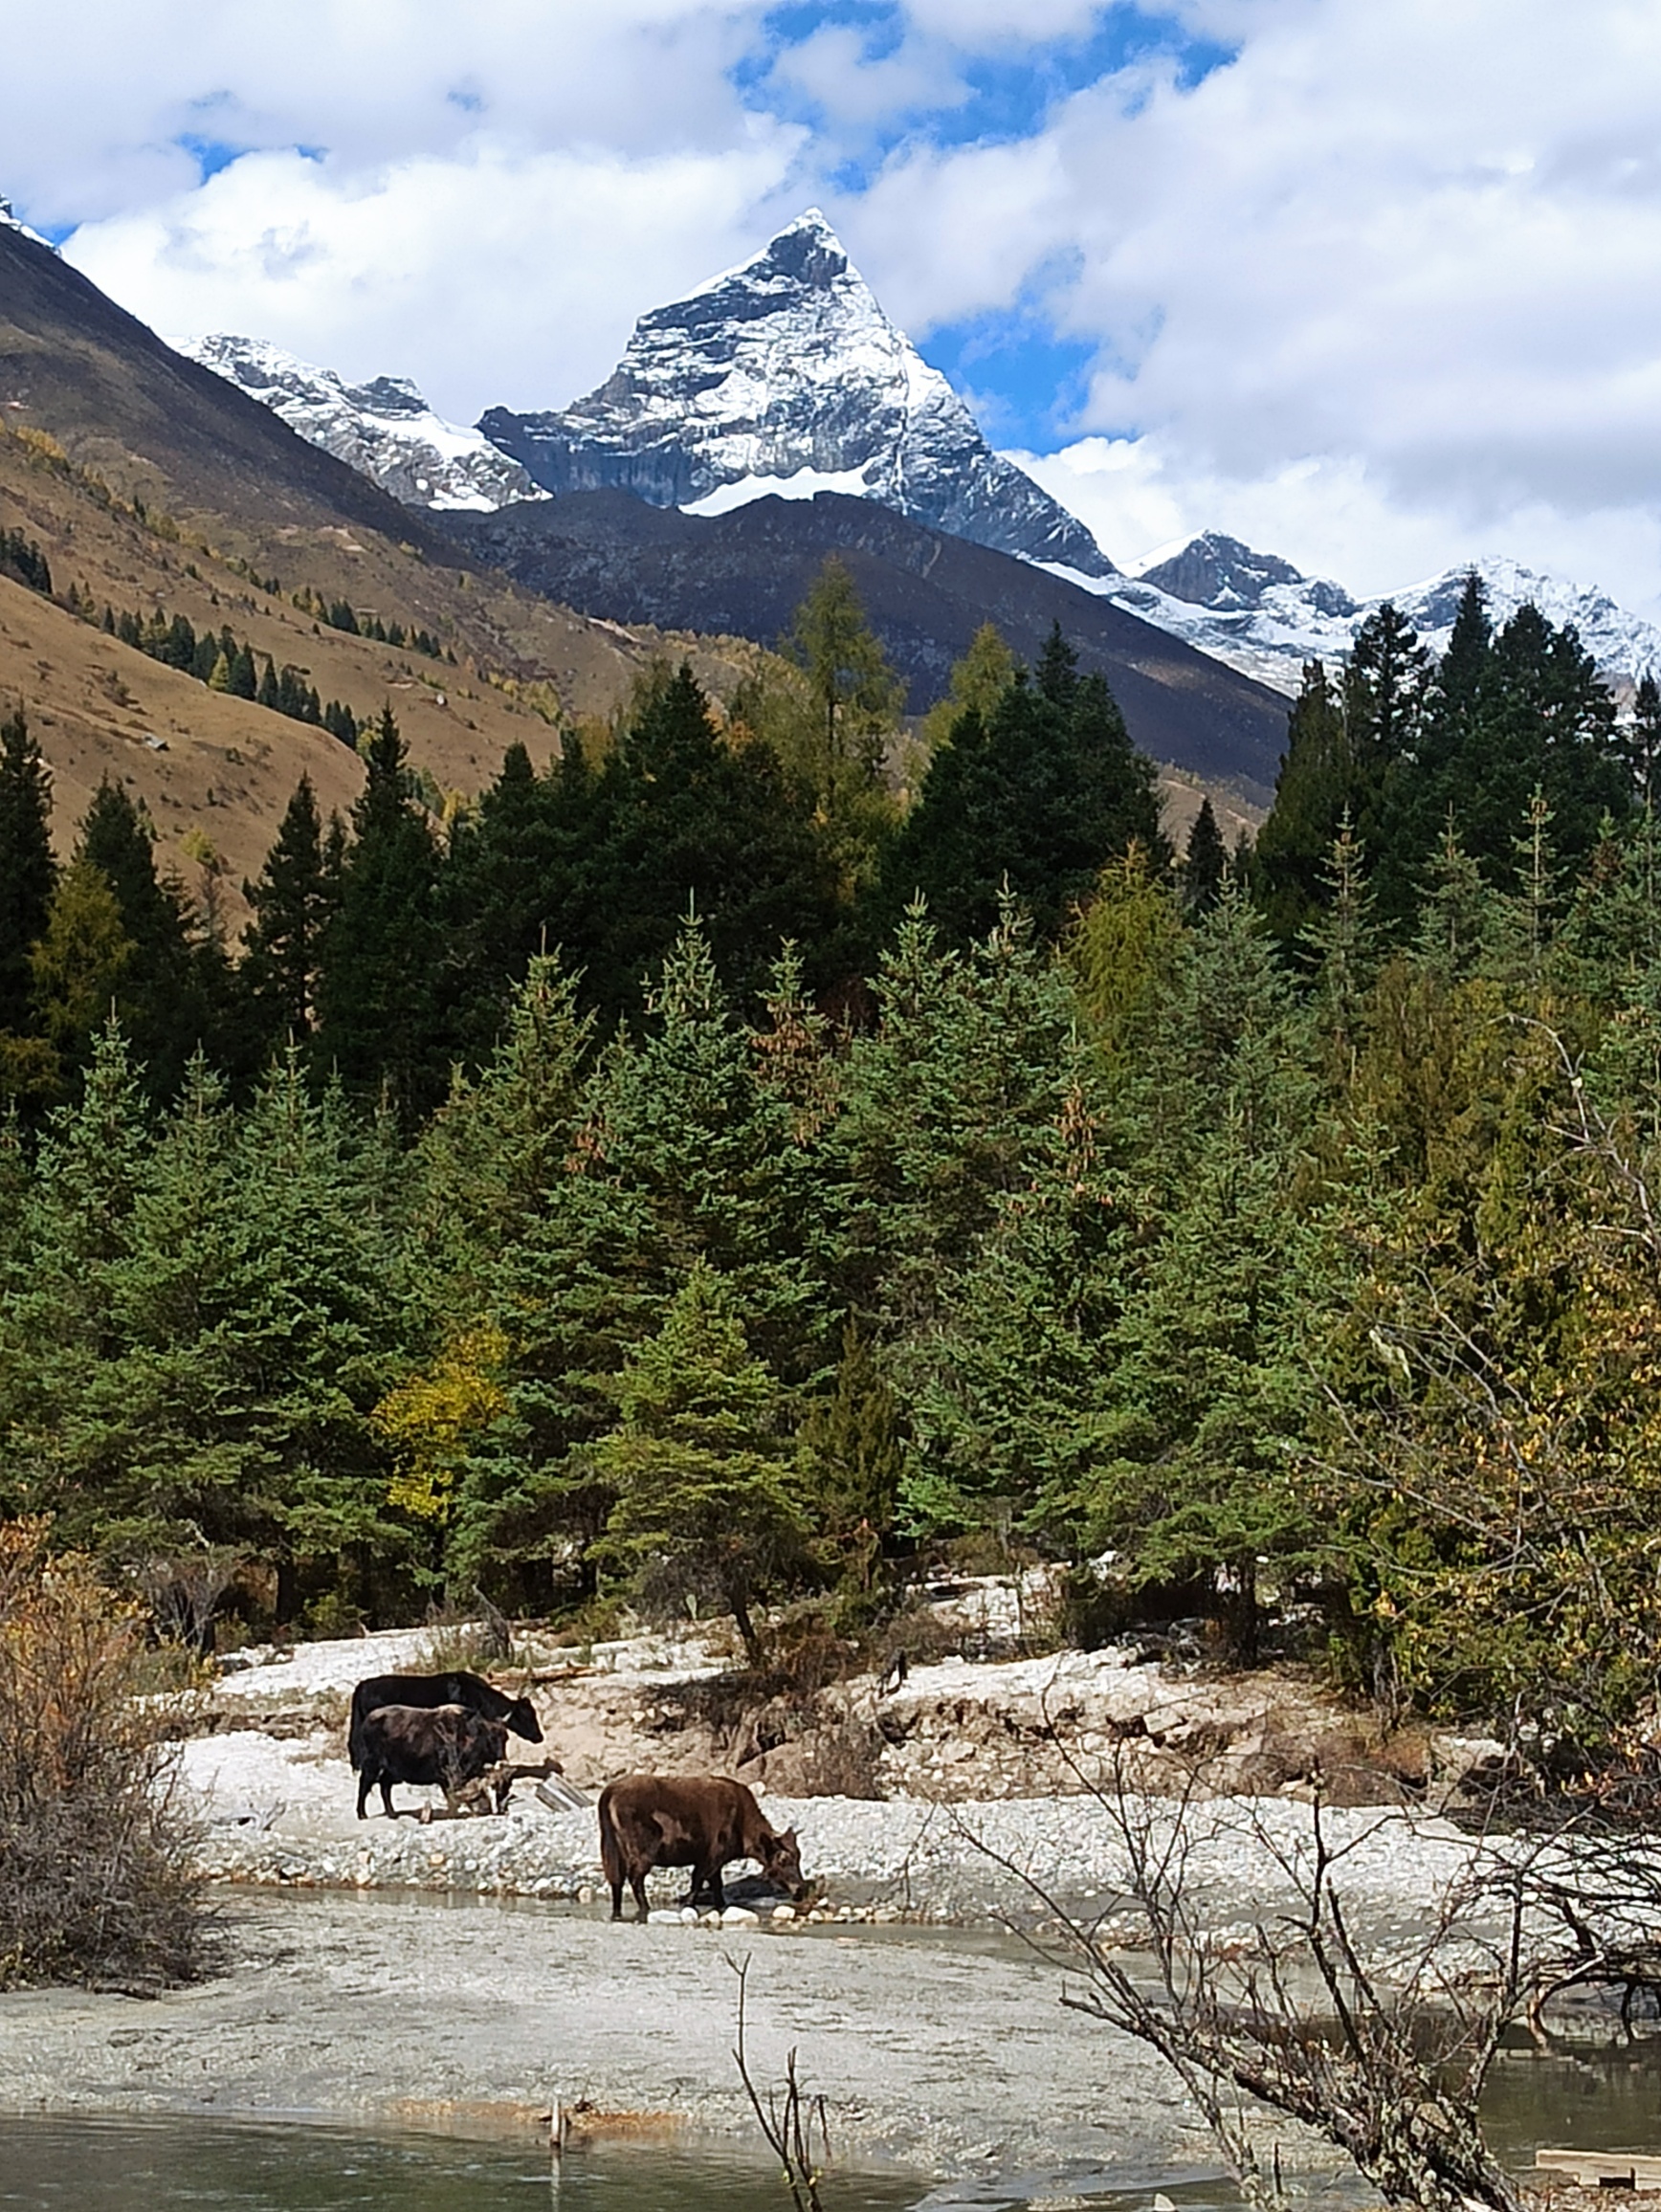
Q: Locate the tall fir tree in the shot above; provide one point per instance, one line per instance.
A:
(28, 871)
(293, 903)
(682, 818)
(1036, 800)
(380, 986)
(1204, 862)
(701, 1463)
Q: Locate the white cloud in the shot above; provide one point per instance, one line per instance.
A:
(1383, 292)
(499, 278)
(836, 68)
(1391, 280)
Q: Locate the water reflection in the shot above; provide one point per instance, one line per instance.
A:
(167, 2164)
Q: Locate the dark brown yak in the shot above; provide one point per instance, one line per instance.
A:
(446, 1745)
(698, 1821)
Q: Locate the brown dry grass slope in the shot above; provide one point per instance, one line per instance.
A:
(150, 483)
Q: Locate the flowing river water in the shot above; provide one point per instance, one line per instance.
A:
(1608, 2098)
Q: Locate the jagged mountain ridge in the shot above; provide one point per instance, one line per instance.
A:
(384, 428)
(1262, 616)
(787, 372)
(926, 592)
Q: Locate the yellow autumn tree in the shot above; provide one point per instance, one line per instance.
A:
(431, 1418)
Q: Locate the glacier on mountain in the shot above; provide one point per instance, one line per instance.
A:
(784, 375)
(385, 429)
(1258, 615)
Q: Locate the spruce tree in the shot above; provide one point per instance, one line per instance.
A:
(1315, 786)
(1205, 863)
(1036, 800)
(681, 819)
(701, 1463)
(57, 1449)
(28, 870)
(1639, 740)
(293, 903)
(168, 982)
(380, 983)
(954, 1097)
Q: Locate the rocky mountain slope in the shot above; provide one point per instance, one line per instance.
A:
(150, 483)
(925, 592)
(385, 429)
(785, 373)
(1262, 616)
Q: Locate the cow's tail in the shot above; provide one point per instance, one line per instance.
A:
(355, 1734)
(611, 1849)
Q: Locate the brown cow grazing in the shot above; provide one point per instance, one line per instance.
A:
(698, 1821)
(446, 1744)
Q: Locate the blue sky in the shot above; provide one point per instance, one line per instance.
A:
(1375, 284)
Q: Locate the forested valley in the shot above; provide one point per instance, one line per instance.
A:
(765, 1151)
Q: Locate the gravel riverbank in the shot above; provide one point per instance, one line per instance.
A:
(462, 1972)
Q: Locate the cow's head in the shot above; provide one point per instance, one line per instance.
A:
(781, 1861)
(522, 1719)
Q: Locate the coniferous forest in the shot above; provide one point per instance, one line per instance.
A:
(694, 1174)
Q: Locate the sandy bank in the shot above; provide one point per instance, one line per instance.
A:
(948, 2056)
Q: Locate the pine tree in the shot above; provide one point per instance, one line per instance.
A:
(700, 1462)
(1206, 862)
(379, 983)
(28, 871)
(293, 903)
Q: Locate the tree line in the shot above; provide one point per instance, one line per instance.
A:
(1263, 1268)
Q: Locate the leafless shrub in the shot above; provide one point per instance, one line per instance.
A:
(95, 1885)
(1385, 2056)
(787, 2117)
(480, 1642)
(182, 1589)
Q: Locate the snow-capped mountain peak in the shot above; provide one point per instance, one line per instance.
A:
(1219, 572)
(782, 368)
(384, 428)
(1262, 616)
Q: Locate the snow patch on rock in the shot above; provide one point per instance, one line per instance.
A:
(384, 428)
(9, 221)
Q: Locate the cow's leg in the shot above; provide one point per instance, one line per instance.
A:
(365, 1779)
(387, 1797)
(637, 1883)
(707, 1884)
(616, 1900)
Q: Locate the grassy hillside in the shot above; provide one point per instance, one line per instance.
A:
(149, 483)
